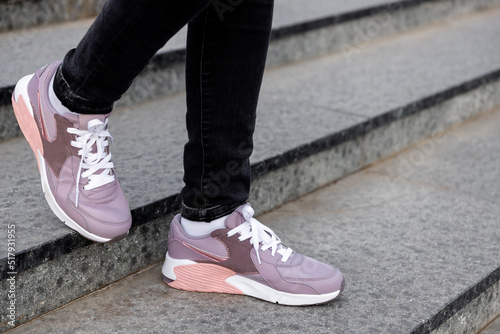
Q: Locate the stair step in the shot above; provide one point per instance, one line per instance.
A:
(419, 253)
(63, 37)
(30, 14)
(318, 120)
(299, 32)
(24, 14)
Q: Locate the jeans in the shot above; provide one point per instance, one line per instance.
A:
(225, 57)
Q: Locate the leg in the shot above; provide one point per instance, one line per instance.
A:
(118, 45)
(233, 253)
(226, 54)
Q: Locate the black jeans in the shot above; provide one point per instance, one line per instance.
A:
(226, 52)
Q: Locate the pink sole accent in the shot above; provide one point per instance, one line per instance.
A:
(204, 277)
(28, 126)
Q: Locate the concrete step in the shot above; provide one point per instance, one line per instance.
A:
(419, 251)
(30, 14)
(299, 32)
(318, 120)
(24, 14)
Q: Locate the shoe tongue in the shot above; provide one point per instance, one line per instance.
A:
(81, 121)
(236, 218)
(85, 119)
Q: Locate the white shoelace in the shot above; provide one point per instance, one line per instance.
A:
(260, 234)
(93, 160)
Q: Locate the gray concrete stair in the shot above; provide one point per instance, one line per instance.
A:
(318, 121)
(419, 252)
(299, 32)
(30, 14)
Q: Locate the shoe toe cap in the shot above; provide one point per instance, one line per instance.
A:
(109, 220)
(320, 276)
(107, 216)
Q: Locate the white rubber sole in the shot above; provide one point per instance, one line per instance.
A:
(247, 286)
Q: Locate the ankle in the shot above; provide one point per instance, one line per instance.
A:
(55, 102)
(198, 229)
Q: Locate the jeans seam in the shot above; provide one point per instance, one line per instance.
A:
(201, 109)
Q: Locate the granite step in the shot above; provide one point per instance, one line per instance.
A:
(299, 32)
(419, 252)
(24, 14)
(318, 121)
(30, 14)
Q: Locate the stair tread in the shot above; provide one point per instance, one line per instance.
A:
(410, 247)
(26, 50)
(300, 104)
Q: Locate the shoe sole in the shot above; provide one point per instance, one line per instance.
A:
(27, 123)
(205, 277)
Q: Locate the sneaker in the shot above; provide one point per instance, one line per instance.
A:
(247, 258)
(73, 157)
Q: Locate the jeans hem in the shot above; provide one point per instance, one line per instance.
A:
(208, 214)
(73, 102)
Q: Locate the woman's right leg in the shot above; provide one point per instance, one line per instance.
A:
(225, 61)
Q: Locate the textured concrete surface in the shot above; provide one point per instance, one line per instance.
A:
(26, 14)
(476, 174)
(369, 80)
(348, 31)
(65, 36)
(330, 159)
(409, 249)
(29, 13)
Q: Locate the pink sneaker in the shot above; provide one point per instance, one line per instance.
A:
(74, 161)
(247, 258)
